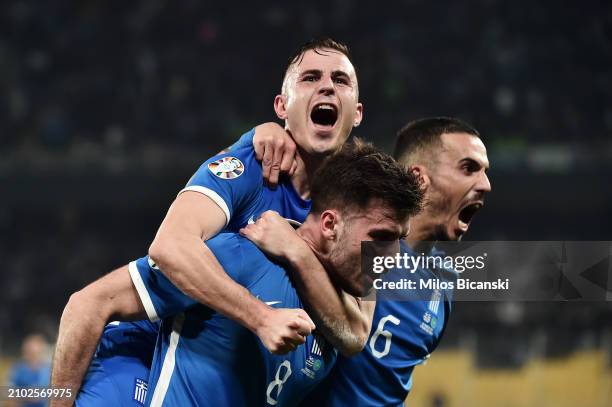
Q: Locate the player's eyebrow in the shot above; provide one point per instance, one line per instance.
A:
(316, 72)
(319, 73)
(383, 233)
(473, 163)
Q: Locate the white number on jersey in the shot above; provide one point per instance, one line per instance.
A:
(278, 382)
(381, 331)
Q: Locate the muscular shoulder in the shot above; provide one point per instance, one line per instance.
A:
(232, 180)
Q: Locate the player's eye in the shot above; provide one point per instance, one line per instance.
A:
(383, 236)
(342, 81)
(469, 168)
(309, 78)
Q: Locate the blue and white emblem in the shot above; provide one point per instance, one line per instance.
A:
(140, 391)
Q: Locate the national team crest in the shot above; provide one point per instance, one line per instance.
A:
(140, 391)
(227, 168)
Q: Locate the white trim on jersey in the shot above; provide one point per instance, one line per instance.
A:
(161, 387)
(212, 195)
(142, 292)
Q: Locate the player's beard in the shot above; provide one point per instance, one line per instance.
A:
(440, 234)
(438, 206)
(346, 264)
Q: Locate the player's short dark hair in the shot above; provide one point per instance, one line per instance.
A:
(422, 134)
(358, 174)
(317, 44)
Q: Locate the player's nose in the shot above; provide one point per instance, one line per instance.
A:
(326, 85)
(483, 185)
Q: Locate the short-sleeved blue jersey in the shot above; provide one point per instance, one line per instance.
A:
(234, 181)
(246, 140)
(205, 359)
(404, 334)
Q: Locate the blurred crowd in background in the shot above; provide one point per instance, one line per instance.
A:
(108, 107)
(128, 75)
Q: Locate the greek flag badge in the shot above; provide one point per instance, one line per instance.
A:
(140, 391)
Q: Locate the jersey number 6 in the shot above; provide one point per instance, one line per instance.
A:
(381, 331)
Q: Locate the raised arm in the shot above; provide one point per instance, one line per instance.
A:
(83, 320)
(343, 319)
(183, 257)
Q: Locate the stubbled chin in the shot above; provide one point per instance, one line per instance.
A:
(445, 233)
(324, 145)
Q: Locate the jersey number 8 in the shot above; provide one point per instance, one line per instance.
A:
(278, 382)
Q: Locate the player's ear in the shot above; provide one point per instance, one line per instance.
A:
(358, 115)
(280, 106)
(328, 223)
(420, 172)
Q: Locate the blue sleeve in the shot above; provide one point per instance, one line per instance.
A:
(245, 141)
(232, 180)
(160, 297)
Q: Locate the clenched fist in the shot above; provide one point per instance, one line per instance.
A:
(285, 329)
(275, 236)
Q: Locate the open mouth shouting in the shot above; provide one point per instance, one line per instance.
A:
(324, 116)
(467, 213)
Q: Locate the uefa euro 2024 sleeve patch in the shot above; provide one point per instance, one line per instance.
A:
(227, 168)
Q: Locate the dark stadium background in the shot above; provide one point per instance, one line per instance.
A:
(107, 108)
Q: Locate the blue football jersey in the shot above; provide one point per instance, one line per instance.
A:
(403, 335)
(119, 372)
(234, 181)
(246, 140)
(205, 359)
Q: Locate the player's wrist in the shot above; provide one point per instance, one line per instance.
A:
(265, 131)
(259, 315)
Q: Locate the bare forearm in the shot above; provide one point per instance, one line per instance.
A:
(344, 320)
(79, 333)
(82, 323)
(190, 265)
